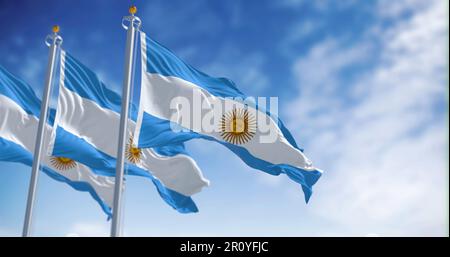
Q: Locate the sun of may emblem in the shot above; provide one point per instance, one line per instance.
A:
(62, 163)
(133, 153)
(237, 126)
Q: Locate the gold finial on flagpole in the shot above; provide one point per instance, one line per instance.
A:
(55, 29)
(132, 10)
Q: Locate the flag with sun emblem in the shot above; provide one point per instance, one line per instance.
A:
(19, 112)
(86, 129)
(179, 103)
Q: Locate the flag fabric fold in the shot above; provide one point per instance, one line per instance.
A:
(166, 80)
(86, 129)
(19, 112)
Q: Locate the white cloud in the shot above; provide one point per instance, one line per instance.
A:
(394, 9)
(320, 5)
(378, 135)
(250, 79)
(297, 32)
(7, 233)
(270, 180)
(86, 229)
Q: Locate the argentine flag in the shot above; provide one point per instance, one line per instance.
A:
(86, 130)
(168, 83)
(19, 112)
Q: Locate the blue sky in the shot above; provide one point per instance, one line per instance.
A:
(362, 85)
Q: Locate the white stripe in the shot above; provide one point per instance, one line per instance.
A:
(99, 126)
(158, 91)
(20, 127)
(137, 129)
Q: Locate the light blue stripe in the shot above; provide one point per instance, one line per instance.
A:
(160, 60)
(12, 152)
(84, 82)
(19, 91)
(171, 150)
(71, 146)
(157, 132)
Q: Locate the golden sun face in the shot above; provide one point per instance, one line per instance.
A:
(62, 163)
(133, 153)
(237, 126)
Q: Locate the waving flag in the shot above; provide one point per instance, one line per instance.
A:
(86, 130)
(19, 112)
(167, 81)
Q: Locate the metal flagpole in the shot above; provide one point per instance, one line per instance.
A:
(132, 28)
(54, 41)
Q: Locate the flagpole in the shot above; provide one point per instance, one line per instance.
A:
(132, 28)
(54, 41)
